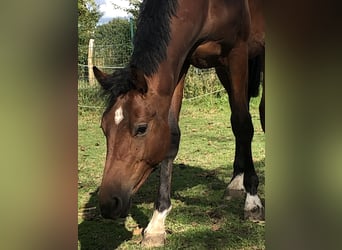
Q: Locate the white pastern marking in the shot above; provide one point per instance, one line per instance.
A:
(237, 183)
(157, 223)
(118, 116)
(252, 201)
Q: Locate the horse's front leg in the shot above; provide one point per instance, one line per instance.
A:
(155, 233)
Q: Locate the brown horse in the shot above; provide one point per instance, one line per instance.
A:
(144, 99)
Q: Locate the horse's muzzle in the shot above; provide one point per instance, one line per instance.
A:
(114, 208)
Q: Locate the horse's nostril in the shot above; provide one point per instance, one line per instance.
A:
(116, 204)
(105, 211)
(112, 208)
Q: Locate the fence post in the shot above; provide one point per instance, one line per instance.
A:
(131, 30)
(91, 76)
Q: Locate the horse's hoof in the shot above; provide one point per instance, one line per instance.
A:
(256, 214)
(153, 240)
(235, 188)
(233, 193)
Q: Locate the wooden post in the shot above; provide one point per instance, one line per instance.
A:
(91, 76)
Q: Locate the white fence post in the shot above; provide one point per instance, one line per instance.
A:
(91, 76)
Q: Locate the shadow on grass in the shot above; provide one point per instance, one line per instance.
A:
(94, 232)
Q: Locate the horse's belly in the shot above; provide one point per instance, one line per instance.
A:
(207, 55)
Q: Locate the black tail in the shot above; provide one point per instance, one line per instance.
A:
(255, 67)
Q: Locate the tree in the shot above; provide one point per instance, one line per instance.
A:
(133, 9)
(113, 43)
(88, 16)
(134, 6)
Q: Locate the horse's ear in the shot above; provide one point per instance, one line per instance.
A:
(102, 78)
(139, 80)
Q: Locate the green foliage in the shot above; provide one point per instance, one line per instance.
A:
(201, 82)
(133, 9)
(200, 218)
(88, 16)
(113, 45)
(90, 96)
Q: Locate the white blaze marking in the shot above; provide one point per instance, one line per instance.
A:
(157, 223)
(237, 183)
(118, 116)
(252, 201)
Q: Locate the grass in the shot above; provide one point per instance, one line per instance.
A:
(200, 218)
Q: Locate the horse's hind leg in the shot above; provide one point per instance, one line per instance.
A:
(244, 173)
(262, 104)
(235, 188)
(262, 101)
(155, 233)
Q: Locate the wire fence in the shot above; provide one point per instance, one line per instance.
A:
(198, 83)
(106, 57)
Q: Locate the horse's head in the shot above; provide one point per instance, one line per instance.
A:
(137, 137)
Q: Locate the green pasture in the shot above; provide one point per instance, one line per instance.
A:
(200, 217)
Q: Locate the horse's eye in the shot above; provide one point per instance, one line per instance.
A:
(140, 129)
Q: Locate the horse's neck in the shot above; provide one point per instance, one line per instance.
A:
(165, 80)
(183, 35)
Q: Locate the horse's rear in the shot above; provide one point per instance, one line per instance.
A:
(235, 47)
(221, 32)
(256, 45)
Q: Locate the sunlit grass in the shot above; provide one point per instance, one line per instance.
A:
(200, 218)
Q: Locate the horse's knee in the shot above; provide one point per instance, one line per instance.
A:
(175, 140)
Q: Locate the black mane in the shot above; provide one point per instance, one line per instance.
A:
(120, 83)
(153, 34)
(150, 42)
